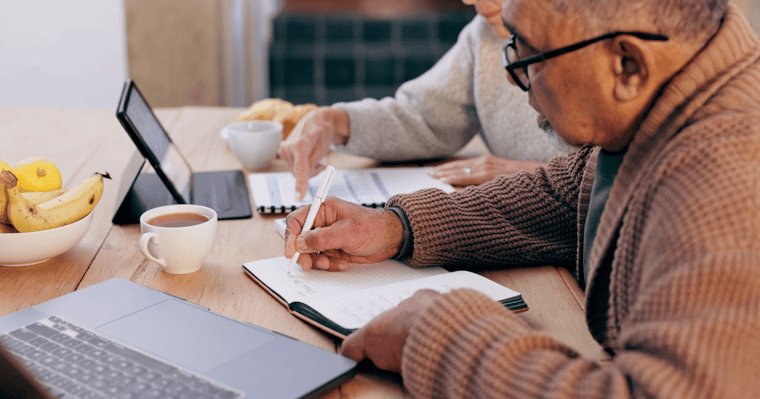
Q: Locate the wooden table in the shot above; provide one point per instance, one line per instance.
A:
(81, 142)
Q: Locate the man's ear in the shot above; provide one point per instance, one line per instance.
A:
(631, 65)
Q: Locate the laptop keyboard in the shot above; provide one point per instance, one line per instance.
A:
(74, 362)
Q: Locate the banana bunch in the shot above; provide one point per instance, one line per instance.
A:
(34, 211)
(6, 228)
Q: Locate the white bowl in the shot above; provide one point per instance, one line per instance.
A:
(26, 249)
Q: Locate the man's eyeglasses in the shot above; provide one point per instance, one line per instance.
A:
(518, 68)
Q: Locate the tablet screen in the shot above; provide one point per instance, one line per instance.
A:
(155, 144)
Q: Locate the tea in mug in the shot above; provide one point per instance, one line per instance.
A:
(178, 220)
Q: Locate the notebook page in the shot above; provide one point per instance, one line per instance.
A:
(360, 186)
(408, 180)
(355, 309)
(299, 284)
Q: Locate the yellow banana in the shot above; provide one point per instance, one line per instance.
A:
(64, 209)
(6, 228)
(38, 197)
(3, 202)
(35, 197)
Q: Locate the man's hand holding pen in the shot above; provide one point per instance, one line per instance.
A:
(319, 198)
(343, 233)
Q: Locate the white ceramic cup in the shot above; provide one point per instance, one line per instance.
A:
(178, 250)
(255, 143)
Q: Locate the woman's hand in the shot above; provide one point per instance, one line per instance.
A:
(479, 170)
(310, 141)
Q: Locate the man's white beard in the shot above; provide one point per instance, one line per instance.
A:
(556, 141)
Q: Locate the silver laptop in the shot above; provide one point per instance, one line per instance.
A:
(123, 340)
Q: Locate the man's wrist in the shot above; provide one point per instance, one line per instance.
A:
(407, 240)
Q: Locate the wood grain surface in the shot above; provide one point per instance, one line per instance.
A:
(81, 142)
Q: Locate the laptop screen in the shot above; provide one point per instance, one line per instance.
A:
(164, 151)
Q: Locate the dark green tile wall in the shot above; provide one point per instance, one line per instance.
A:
(325, 58)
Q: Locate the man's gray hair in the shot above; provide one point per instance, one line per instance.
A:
(684, 19)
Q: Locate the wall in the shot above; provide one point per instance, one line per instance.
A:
(73, 54)
(62, 54)
(173, 50)
(324, 58)
(375, 9)
(77, 54)
(199, 52)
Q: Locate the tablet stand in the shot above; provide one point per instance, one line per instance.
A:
(139, 192)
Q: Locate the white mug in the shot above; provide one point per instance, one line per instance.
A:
(255, 143)
(178, 237)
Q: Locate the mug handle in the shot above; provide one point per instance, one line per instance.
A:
(144, 248)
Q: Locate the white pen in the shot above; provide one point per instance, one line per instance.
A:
(319, 198)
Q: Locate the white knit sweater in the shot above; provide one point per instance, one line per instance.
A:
(464, 94)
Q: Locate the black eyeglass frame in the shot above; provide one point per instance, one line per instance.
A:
(523, 63)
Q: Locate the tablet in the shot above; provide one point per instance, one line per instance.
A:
(224, 191)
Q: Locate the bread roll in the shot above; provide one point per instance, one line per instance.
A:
(275, 109)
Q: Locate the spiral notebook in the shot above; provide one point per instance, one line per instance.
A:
(275, 192)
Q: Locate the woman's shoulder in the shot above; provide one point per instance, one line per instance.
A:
(477, 33)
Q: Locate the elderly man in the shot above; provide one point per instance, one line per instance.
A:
(659, 216)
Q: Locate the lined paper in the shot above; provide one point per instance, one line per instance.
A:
(275, 192)
(300, 285)
(354, 309)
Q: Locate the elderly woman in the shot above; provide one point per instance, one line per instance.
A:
(435, 115)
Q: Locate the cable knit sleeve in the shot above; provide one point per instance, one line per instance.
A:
(494, 224)
(684, 294)
(467, 345)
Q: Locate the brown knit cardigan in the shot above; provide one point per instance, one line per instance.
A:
(674, 278)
